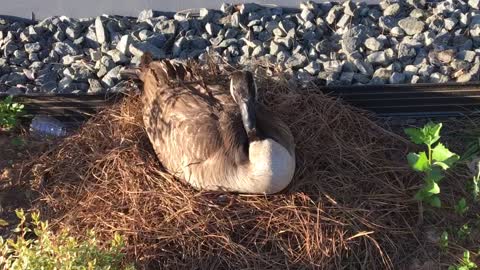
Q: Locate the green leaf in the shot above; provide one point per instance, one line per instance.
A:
(443, 157)
(461, 206)
(418, 162)
(434, 201)
(3, 222)
(444, 240)
(428, 135)
(435, 175)
(432, 188)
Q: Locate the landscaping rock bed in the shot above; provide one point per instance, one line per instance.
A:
(351, 43)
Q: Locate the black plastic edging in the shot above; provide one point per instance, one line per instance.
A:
(422, 100)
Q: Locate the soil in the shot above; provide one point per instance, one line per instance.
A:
(16, 147)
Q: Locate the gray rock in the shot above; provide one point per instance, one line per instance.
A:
(73, 33)
(110, 79)
(117, 56)
(392, 10)
(68, 60)
(94, 86)
(449, 23)
(410, 70)
(65, 48)
(286, 25)
(15, 78)
(468, 56)
(475, 4)
(32, 47)
(425, 70)
(441, 57)
(37, 65)
(406, 53)
(100, 31)
(258, 51)
(168, 27)
(139, 48)
(350, 8)
(446, 70)
(157, 39)
(397, 32)
(377, 57)
(361, 78)
(145, 15)
(417, 13)
(276, 48)
(124, 44)
(344, 21)
(20, 55)
(365, 68)
(353, 37)
(307, 15)
(233, 51)
(144, 34)
(235, 19)
(226, 8)
(296, 61)
(411, 26)
(334, 14)
(9, 48)
(438, 78)
(387, 22)
(333, 66)
(373, 44)
(381, 76)
(346, 77)
(459, 65)
(415, 79)
(228, 42)
(313, 67)
(65, 84)
(397, 78)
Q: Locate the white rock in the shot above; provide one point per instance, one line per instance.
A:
(100, 31)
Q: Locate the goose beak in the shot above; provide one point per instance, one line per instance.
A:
(247, 109)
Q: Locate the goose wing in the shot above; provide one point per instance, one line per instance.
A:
(183, 129)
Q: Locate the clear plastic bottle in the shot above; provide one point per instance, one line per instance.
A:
(43, 125)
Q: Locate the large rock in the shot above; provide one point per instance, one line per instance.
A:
(139, 48)
(100, 31)
(411, 26)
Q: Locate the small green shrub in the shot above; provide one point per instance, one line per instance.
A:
(465, 264)
(461, 207)
(9, 112)
(432, 163)
(444, 241)
(60, 251)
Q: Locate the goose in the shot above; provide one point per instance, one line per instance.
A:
(215, 137)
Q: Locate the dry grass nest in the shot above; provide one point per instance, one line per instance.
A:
(350, 205)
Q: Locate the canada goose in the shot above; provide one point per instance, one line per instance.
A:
(213, 137)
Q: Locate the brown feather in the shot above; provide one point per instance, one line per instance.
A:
(191, 123)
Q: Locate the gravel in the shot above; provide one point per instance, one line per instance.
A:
(348, 43)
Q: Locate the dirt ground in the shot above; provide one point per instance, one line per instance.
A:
(15, 147)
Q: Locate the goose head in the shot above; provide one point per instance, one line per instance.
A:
(244, 92)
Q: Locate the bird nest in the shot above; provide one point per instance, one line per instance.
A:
(350, 204)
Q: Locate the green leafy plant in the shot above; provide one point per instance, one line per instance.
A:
(46, 250)
(474, 185)
(461, 207)
(432, 163)
(9, 112)
(464, 231)
(444, 241)
(465, 263)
